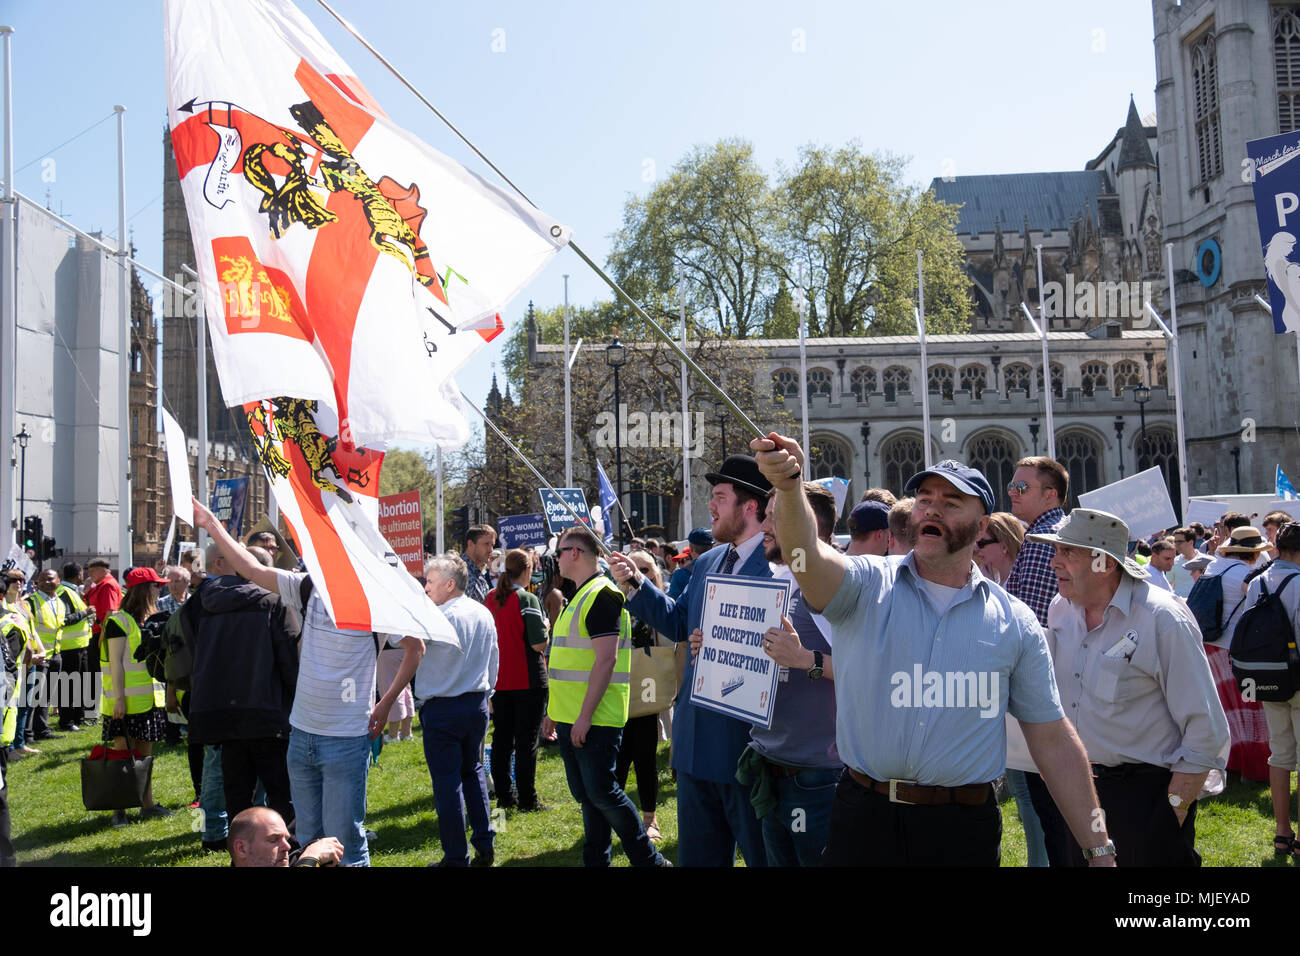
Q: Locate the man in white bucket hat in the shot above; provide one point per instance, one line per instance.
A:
(1135, 682)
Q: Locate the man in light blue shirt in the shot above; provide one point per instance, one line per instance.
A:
(929, 658)
(451, 689)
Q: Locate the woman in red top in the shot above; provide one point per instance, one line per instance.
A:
(519, 703)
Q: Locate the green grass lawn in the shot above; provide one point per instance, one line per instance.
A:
(50, 827)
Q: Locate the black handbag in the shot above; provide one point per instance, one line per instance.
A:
(115, 784)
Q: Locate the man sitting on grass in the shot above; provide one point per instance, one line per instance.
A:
(258, 837)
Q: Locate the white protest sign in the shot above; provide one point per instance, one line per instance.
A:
(178, 469)
(1141, 501)
(839, 487)
(1206, 512)
(1251, 505)
(1290, 505)
(733, 674)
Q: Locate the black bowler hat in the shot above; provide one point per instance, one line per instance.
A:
(741, 471)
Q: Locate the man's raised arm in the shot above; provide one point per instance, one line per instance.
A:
(817, 566)
(236, 555)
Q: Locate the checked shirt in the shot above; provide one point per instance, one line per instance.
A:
(1031, 578)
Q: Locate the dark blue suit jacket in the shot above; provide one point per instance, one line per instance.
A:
(706, 744)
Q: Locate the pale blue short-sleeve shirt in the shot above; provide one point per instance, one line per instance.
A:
(923, 696)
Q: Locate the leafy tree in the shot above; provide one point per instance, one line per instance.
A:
(855, 226)
(406, 470)
(710, 219)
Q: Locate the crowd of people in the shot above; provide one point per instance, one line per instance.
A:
(946, 647)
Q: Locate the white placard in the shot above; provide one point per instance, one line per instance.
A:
(733, 674)
(1206, 512)
(1141, 501)
(1290, 505)
(178, 469)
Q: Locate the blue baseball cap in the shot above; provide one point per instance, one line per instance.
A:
(701, 537)
(970, 481)
(868, 516)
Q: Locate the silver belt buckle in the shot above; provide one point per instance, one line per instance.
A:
(893, 791)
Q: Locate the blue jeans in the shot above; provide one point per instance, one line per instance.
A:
(327, 779)
(605, 807)
(24, 694)
(454, 728)
(1034, 840)
(794, 834)
(712, 820)
(212, 797)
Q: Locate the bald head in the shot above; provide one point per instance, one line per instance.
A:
(258, 837)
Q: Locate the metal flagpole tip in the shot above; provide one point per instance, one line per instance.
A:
(119, 109)
(5, 31)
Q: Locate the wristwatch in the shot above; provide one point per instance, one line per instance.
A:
(815, 672)
(1106, 849)
(307, 861)
(1177, 802)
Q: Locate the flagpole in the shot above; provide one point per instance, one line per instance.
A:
(919, 315)
(1046, 391)
(1177, 375)
(8, 305)
(124, 356)
(686, 416)
(1047, 369)
(803, 372)
(568, 397)
(524, 458)
(438, 539)
(614, 286)
(202, 461)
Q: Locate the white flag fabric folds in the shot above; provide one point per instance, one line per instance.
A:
(342, 260)
(328, 495)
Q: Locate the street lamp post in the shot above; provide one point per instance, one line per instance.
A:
(23, 436)
(1119, 441)
(1142, 395)
(616, 358)
(1236, 467)
(722, 424)
(1033, 434)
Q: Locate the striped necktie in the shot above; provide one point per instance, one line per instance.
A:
(729, 562)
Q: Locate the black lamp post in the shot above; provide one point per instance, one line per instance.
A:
(616, 358)
(1119, 441)
(1142, 395)
(721, 406)
(1236, 466)
(23, 437)
(1033, 434)
(866, 450)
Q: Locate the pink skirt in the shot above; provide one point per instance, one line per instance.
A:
(1246, 723)
(390, 662)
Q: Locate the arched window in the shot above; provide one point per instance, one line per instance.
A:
(862, 382)
(1158, 449)
(1081, 455)
(1127, 374)
(819, 383)
(896, 379)
(1058, 379)
(830, 457)
(996, 457)
(941, 380)
(1162, 375)
(1093, 377)
(785, 385)
(973, 380)
(1017, 375)
(902, 456)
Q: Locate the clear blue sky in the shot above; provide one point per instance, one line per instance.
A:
(585, 95)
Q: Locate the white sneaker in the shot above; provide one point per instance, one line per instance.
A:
(406, 736)
(389, 740)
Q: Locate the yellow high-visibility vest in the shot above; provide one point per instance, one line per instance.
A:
(73, 636)
(47, 615)
(572, 657)
(143, 693)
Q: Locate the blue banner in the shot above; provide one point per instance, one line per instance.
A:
(557, 516)
(228, 497)
(522, 531)
(608, 502)
(1284, 488)
(1273, 163)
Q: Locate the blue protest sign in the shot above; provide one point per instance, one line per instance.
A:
(1277, 207)
(522, 531)
(557, 516)
(228, 497)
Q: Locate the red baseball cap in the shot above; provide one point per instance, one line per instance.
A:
(143, 576)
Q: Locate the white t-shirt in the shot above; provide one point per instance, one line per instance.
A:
(941, 596)
(336, 669)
